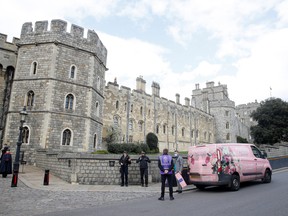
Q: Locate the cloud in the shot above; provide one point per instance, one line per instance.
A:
(266, 67)
(129, 58)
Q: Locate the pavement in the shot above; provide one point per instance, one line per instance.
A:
(31, 197)
(33, 177)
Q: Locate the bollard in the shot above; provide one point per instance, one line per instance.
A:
(14, 179)
(46, 177)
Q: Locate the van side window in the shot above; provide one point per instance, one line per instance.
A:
(256, 152)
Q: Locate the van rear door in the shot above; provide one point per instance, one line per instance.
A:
(202, 163)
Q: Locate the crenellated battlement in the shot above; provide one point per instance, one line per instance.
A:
(8, 45)
(58, 34)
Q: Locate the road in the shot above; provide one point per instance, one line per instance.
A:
(252, 199)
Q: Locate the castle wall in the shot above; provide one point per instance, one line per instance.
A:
(158, 116)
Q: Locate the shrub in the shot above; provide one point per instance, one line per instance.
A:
(152, 141)
(118, 148)
(100, 152)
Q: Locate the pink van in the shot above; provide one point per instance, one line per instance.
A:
(227, 164)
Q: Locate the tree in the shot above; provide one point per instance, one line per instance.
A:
(272, 118)
(152, 141)
(113, 135)
(241, 140)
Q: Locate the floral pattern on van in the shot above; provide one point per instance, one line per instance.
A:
(223, 165)
(227, 163)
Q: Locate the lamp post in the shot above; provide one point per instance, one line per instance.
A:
(14, 182)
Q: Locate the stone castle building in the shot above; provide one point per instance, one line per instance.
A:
(209, 117)
(59, 77)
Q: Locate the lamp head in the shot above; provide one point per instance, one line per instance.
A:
(23, 114)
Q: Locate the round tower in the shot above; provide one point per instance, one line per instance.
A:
(59, 78)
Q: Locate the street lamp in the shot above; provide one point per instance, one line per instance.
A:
(14, 182)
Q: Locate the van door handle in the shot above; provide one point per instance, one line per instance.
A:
(255, 159)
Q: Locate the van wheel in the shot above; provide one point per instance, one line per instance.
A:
(200, 187)
(267, 177)
(235, 183)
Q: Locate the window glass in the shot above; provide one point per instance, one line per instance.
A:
(66, 137)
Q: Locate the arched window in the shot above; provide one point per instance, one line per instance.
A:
(164, 129)
(131, 108)
(227, 136)
(95, 141)
(98, 82)
(125, 106)
(116, 121)
(205, 135)
(25, 135)
(34, 67)
(227, 125)
(72, 72)
(117, 104)
(69, 100)
(140, 124)
(183, 132)
(197, 134)
(130, 139)
(30, 99)
(157, 129)
(141, 110)
(66, 137)
(172, 130)
(209, 137)
(130, 124)
(97, 108)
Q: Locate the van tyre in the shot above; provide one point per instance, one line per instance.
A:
(267, 177)
(235, 183)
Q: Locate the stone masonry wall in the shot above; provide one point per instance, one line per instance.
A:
(90, 169)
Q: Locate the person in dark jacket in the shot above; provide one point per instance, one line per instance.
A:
(124, 161)
(6, 163)
(165, 164)
(143, 161)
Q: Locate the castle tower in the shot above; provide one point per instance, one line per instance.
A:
(8, 60)
(60, 79)
(215, 101)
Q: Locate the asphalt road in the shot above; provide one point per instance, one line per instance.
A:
(253, 198)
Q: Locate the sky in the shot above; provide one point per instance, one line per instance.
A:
(178, 43)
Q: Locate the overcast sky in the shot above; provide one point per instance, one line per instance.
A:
(178, 43)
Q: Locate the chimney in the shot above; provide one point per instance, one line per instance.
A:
(177, 98)
(187, 101)
(140, 84)
(155, 89)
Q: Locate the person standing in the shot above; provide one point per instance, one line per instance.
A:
(124, 161)
(165, 164)
(6, 163)
(143, 160)
(178, 167)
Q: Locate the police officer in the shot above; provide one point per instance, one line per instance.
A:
(124, 161)
(165, 164)
(143, 160)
